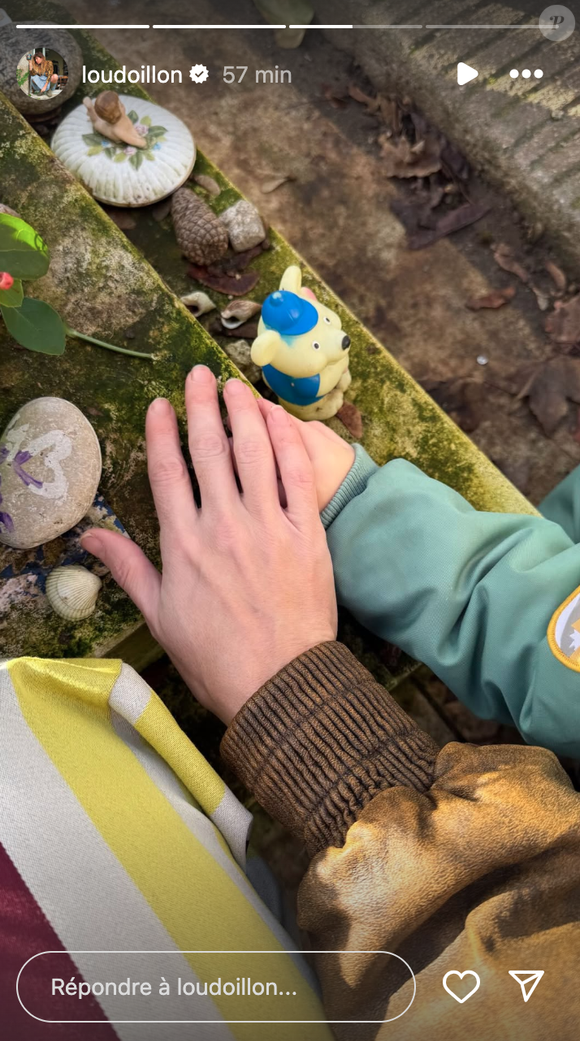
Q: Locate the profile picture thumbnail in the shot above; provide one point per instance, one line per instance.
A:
(42, 73)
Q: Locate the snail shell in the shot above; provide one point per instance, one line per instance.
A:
(198, 302)
(238, 312)
(72, 591)
(108, 106)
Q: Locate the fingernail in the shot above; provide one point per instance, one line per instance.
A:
(91, 543)
(278, 414)
(201, 374)
(236, 387)
(160, 405)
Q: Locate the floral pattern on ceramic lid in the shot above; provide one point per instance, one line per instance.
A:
(120, 174)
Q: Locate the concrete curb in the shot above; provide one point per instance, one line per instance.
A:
(522, 134)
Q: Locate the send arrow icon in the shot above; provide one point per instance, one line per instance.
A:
(528, 980)
(465, 73)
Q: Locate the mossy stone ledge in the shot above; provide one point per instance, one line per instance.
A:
(122, 288)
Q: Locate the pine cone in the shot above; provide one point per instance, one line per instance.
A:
(201, 236)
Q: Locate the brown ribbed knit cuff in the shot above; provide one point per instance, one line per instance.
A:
(318, 741)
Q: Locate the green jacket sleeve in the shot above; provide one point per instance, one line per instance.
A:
(470, 594)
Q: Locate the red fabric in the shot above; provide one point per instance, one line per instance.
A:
(25, 931)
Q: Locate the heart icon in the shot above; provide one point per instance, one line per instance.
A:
(468, 972)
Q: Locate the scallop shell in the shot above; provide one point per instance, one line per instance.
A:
(238, 312)
(121, 175)
(72, 591)
(200, 303)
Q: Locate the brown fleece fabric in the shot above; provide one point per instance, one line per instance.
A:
(314, 755)
(466, 859)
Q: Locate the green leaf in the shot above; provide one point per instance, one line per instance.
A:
(120, 157)
(22, 252)
(133, 116)
(148, 154)
(96, 150)
(146, 121)
(12, 297)
(136, 160)
(36, 325)
(110, 153)
(156, 132)
(93, 139)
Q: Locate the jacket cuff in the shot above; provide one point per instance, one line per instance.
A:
(354, 483)
(320, 740)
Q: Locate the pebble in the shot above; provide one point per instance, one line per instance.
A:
(482, 360)
(245, 226)
(50, 467)
(240, 353)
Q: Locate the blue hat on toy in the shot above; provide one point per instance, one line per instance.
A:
(288, 314)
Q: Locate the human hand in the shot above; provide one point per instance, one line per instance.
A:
(331, 456)
(246, 584)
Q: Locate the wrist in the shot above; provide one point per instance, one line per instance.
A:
(320, 739)
(355, 482)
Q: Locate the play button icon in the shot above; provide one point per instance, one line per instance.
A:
(465, 73)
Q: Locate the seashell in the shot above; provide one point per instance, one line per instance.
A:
(239, 312)
(108, 106)
(208, 184)
(121, 174)
(110, 120)
(72, 591)
(198, 302)
(200, 235)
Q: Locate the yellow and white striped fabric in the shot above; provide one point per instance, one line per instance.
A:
(128, 840)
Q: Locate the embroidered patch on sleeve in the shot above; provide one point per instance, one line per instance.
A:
(564, 632)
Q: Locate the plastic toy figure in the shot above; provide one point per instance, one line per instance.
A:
(302, 350)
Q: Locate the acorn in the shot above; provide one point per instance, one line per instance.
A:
(201, 236)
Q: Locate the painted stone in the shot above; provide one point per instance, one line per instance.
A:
(245, 226)
(14, 43)
(122, 175)
(50, 467)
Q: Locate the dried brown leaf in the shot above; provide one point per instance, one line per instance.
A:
(359, 95)
(461, 398)
(557, 276)
(503, 255)
(231, 285)
(236, 261)
(497, 298)
(391, 113)
(405, 160)
(462, 217)
(273, 183)
(563, 324)
(350, 416)
(550, 388)
(336, 100)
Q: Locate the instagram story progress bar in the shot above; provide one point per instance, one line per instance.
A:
(556, 23)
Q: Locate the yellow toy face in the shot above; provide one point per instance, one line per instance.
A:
(309, 353)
